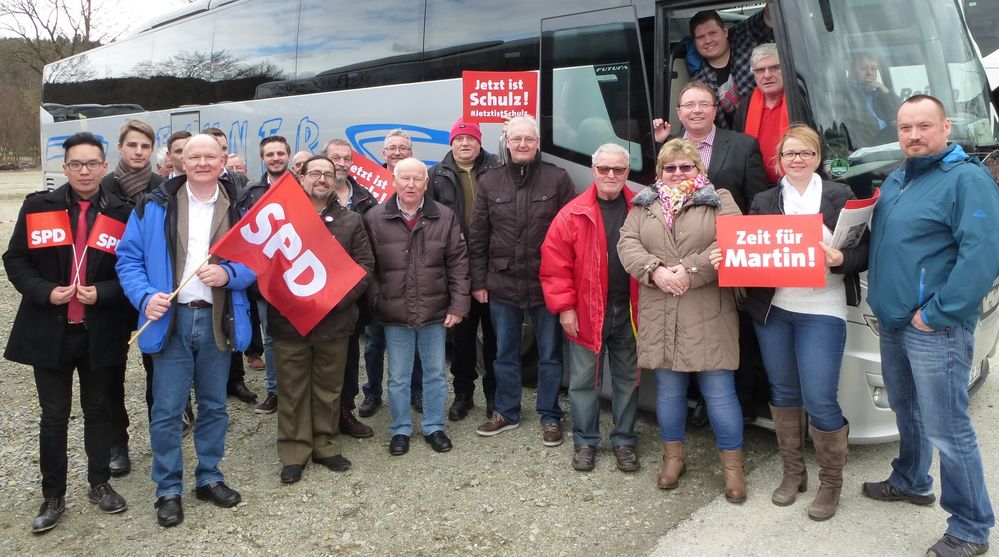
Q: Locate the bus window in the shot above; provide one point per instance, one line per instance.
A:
(180, 72)
(598, 90)
(122, 62)
(357, 44)
(252, 47)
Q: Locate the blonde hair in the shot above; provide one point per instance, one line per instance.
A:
(802, 133)
(678, 149)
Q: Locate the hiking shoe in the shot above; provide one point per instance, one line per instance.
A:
(949, 546)
(884, 491)
(551, 435)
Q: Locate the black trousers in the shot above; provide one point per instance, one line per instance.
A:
(256, 347)
(464, 354)
(351, 378)
(55, 396)
(237, 372)
(116, 406)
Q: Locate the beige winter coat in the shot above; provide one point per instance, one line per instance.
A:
(699, 330)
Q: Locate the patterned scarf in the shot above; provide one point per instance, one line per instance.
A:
(674, 197)
(133, 183)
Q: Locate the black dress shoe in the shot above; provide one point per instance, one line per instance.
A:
(219, 494)
(369, 406)
(104, 496)
(439, 441)
(48, 515)
(461, 406)
(291, 473)
(399, 445)
(169, 511)
(336, 463)
(240, 391)
(120, 465)
(417, 403)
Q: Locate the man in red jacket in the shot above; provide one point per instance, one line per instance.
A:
(586, 285)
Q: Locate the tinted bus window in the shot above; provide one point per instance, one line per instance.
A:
(76, 80)
(180, 70)
(357, 44)
(490, 36)
(254, 44)
(124, 62)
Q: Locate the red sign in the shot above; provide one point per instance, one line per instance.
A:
(49, 229)
(771, 250)
(373, 176)
(499, 96)
(284, 242)
(106, 234)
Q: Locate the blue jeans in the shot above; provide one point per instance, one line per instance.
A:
(718, 388)
(803, 354)
(926, 376)
(190, 356)
(508, 321)
(374, 362)
(584, 389)
(268, 348)
(402, 347)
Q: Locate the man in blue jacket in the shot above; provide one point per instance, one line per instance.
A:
(934, 255)
(192, 337)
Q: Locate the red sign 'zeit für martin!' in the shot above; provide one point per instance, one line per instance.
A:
(498, 96)
(771, 250)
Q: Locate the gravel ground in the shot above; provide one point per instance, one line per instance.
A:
(507, 495)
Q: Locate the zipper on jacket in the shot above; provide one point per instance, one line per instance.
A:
(922, 284)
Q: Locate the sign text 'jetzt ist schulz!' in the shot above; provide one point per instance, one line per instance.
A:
(499, 96)
(771, 250)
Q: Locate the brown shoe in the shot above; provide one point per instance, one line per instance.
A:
(627, 459)
(789, 424)
(735, 476)
(497, 424)
(831, 451)
(584, 457)
(673, 465)
(352, 427)
(551, 435)
(256, 362)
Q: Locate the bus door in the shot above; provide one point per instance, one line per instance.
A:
(594, 91)
(189, 120)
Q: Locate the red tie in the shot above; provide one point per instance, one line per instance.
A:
(75, 312)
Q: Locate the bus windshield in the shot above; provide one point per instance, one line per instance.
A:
(854, 61)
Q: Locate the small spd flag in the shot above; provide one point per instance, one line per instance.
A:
(106, 234)
(49, 229)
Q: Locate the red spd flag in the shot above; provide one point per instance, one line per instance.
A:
(771, 250)
(299, 269)
(106, 234)
(373, 176)
(49, 229)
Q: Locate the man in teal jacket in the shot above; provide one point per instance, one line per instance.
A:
(934, 255)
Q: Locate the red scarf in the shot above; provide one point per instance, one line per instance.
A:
(755, 114)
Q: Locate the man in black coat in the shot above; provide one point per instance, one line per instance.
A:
(67, 322)
(130, 180)
(453, 183)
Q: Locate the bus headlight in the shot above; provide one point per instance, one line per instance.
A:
(872, 323)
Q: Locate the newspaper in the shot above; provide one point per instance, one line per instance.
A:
(853, 220)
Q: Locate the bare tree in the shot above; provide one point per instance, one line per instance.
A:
(50, 30)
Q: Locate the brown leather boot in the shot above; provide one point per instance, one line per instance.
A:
(673, 465)
(352, 427)
(734, 474)
(789, 424)
(831, 450)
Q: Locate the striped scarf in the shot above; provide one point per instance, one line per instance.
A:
(133, 183)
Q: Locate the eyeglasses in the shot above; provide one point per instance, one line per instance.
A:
(618, 170)
(772, 69)
(805, 155)
(704, 105)
(525, 140)
(398, 149)
(317, 174)
(672, 168)
(76, 166)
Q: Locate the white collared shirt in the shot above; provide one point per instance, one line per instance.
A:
(199, 239)
(795, 203)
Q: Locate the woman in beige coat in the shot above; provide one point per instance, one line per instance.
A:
(687, 325)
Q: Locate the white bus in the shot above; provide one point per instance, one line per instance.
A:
(313, 70)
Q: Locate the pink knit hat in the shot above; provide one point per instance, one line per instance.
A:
(461, 128)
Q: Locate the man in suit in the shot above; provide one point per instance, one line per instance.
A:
(73, 315)
(733, 159)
